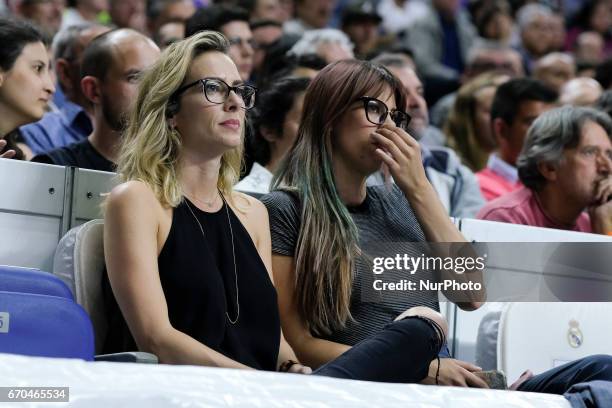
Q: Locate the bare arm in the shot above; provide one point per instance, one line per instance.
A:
(311, 350)
(402, 154)
(131, 244)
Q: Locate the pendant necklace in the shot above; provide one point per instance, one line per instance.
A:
(233, 250)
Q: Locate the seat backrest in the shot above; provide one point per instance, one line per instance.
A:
(540, 336)
(45, 326)
(79, 262)
(27, 280)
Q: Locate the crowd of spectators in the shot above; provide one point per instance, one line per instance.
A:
(383, 118)
(479, 72)
(484, 70)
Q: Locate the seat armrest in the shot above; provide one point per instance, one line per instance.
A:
(129, 357)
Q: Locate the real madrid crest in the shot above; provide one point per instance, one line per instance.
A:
(574, 335)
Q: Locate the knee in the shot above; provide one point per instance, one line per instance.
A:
(600, 365)
(428, 313)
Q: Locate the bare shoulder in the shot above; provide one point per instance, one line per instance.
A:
(253, 214)
(134, 197)
(249, 205)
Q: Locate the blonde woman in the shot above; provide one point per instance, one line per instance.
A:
(468, 128)
(189, 259)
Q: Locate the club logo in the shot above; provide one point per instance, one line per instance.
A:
(574, 334)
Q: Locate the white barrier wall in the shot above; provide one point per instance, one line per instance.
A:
(466, 323)
(39, 203)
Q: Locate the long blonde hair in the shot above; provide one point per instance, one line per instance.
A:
(460, 127)
(327, 243)
(150, 148)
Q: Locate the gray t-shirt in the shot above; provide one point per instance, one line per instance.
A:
(387, 225)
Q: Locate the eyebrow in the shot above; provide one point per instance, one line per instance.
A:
(235, 83)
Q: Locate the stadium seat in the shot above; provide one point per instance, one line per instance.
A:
(45, 326)
(79, 262)
(27, 280)
(540, 336)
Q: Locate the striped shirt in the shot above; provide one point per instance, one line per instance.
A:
(387, 226)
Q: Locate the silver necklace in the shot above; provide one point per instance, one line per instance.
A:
(210, 203)
(233, 254)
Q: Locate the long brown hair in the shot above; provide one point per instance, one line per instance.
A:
(460, 127)
(327, 242)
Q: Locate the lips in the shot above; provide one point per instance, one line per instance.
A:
(231, 123)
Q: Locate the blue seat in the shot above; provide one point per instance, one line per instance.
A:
(45, 326)
(27, 280)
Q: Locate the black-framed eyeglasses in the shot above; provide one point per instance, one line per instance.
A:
(217, 91)
(377, 111)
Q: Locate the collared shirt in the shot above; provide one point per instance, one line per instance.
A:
(57, 129)
(523, 207)
(498, 178)
(258, 181)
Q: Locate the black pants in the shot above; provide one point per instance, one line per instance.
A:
(558, 380)
(403, 351)
(400, 353)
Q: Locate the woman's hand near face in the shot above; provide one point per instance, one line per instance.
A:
(402, 155)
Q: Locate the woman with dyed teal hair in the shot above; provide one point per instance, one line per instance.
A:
(326, 222)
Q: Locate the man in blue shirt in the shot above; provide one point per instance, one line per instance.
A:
(71, 123)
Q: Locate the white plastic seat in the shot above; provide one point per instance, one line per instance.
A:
(541, 336)
(79, 262)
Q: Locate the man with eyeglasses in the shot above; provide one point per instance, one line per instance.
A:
(566, 170)
(233, 22)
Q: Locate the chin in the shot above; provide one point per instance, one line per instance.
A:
(231, 141)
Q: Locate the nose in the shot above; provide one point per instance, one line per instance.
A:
(48, 83)
(413, 101)
(233, 102)
(247, 49)
(388, 120)
(604, 164)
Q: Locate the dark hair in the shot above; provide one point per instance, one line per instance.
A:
(511, 94)
(98, 56)
(287, 64)
(213, 18)
(14, 36)
(265, 23)
(273, 104)
(603, 73)
(582, 17)
(275, 59)
(248, 5)
(397, 48)
(488, 11)
(604, 103)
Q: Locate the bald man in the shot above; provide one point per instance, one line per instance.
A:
(581, 92)
(112, 65)
(555, 69)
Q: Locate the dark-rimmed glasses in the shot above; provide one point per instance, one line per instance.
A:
(217, 91)
(377, 111)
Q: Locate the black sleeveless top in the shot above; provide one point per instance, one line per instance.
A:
(198, 280)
